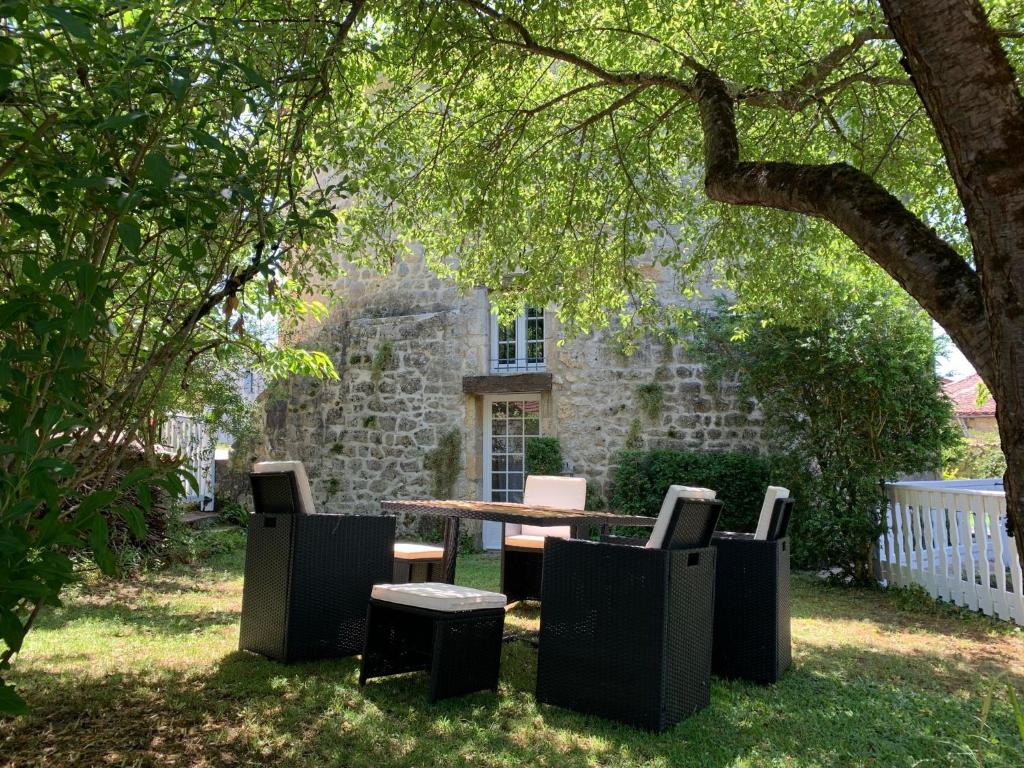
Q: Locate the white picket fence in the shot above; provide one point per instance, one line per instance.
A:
(950, 537)
(191, 440)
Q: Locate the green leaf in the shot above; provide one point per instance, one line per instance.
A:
(10, 702)
(95, 500)
(117, 122)
(254, 77)
(130, 234)
(10, 54)
(93, 182)
(11, 629)
(72, 23)
(99, 541)
(157, 169)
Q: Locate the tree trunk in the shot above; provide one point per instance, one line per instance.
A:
(968, 88)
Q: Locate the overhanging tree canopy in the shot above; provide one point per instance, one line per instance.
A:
(547, 146)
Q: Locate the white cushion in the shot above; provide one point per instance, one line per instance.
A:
(295, 467)
(553, 491)
(526, 541)
(774, 493)
(674, 493)
(407, 550)
(438, 597)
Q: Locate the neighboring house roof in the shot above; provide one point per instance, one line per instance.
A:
(964, 394)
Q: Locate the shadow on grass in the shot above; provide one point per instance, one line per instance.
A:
(150, 619)
(839, 707)
(895, 609)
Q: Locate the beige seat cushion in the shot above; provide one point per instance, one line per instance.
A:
(295, 467)
(553, 491)
(438, 597)
(526, 541)
(773, 493)
(668, 505)
(408, 550)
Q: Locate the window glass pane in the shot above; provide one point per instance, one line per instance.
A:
(515, 463)
(515, 409)
(498, 408)
(515, 426)
(499, 445)
(531, 426)
(498, 463)
(498, 480)
(499, 427)
(506, 344)
(515, 444)
(515, 482)
(516, 497)
(534, 335)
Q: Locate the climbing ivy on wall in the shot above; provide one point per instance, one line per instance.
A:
(444, 464)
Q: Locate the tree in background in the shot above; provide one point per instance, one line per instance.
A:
(160, 179)
(852, 398)
(542, 149)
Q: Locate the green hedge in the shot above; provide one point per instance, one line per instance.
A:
(543, 456)
(740, 478)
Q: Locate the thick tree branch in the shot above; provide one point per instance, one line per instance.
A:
(918, 259)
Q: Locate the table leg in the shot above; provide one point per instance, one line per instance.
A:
(451, 548)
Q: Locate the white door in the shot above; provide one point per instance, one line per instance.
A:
(508, 421)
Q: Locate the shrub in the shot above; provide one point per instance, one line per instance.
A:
(978, 456)
(543, 456)
(740, 478)
(853, 398)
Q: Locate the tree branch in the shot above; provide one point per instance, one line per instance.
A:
(913, 254)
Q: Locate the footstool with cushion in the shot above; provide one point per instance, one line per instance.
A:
(450, 631)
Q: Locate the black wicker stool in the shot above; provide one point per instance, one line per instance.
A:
(752, 615)
(452, 632)
(417, 563)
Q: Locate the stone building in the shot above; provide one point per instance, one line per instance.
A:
(417, 360)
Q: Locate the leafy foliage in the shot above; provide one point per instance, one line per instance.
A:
(444, 463)
(973, 457)
(543, 456)
(651, 397)
(157, 182)
(740, 479)
(853, 399)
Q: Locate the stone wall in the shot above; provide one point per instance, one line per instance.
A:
(401, 345)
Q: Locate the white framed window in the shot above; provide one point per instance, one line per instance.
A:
(520, 345)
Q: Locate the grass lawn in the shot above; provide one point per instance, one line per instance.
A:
(145, 673)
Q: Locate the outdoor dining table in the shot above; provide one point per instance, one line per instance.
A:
(455, 510)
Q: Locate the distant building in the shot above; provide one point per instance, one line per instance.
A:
(975, 419)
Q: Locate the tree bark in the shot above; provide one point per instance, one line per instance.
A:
(967, 86)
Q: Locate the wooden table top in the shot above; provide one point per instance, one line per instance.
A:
(505, 512)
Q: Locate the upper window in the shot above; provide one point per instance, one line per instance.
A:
(518, 346)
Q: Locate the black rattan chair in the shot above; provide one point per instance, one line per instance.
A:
(522, 553)
(752, 602)
(625, 631)
(307, 576)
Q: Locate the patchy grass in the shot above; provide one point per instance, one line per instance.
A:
(146, 674)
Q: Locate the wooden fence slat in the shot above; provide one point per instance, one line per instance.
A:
(996, 533)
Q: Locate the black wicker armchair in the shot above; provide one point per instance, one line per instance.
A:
(308, 577)
(752, 601)
(625, 630)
